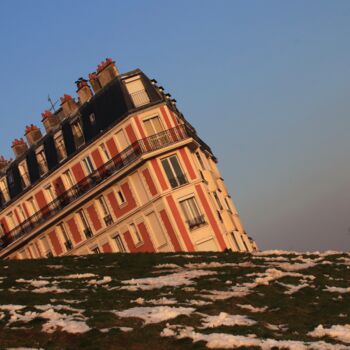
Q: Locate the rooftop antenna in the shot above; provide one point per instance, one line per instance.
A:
(51, 103)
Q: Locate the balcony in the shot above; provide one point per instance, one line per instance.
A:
(108, 220)
(178, 181)
(113, 166)
(68, 244)
(88, 233)
(196, 222)
(140, 98)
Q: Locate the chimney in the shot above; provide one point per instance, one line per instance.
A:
(3, 163)
(33, 134)
(19, 147)
(107, 71)
(69, 106)
(50, 120)
(95, 83)
(84, 91)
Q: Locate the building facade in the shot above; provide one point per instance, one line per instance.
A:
(119, 169)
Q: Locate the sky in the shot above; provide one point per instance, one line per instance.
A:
(265, 83)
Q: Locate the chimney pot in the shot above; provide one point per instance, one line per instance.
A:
(50, 120)
(69, 106)
(84, 92)
(94, 81)
(3, 163)
(106, 71)
(19, 147)
(33, 134)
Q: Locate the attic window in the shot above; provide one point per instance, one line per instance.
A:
(40, 156)
(137, 91)
(92, 119)
(78, 134)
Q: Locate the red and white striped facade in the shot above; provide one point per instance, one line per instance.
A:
(145, 184)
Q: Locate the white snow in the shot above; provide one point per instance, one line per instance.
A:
(104, 280)
(77, 276)
(66, 323)
(34, 283)
(296, 267)
(224, 319)
(197, 302)
(11, 307)
(337, 332)
(228, 341)
(337, 289)
(292, 288)
(155, 314)
(161, 301)
(52, 289)
(252, 308)
(167, 266)
(171, 280)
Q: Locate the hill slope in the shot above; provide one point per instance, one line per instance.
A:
(268, 300)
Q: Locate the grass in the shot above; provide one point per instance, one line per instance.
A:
(300, 312)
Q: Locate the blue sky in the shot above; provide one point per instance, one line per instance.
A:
(266, 84)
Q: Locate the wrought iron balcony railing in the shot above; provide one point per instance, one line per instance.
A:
(120, 161)
(196, 222)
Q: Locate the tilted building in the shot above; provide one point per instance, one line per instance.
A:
(118, 170)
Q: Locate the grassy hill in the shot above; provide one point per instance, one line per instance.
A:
(270, 300)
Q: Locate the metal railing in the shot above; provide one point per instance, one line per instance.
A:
(117, 163)
(196, 222)
(140, 98)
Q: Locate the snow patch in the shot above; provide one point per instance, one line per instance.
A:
(337, 332)
(155, 314)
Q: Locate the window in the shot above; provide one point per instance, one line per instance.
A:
(49, 193)
(122, 141)
(217, 200)
(95, 250)
(4, 190)
(46, 247)
(11, 220)
(107, 217)
(64, 234)
(153, 125)
(60, 147)
(120, 198)
(77, 134)
(2, 229)
(40, 156)
(194, 217)
(227, 204)
(136, 237)
(200, 160)
(119, 243)
(23, 254)
(137, 91)
(154, 128)
(68, 178)
(105, 153)
(173, 171)
(157, 230)
(32, 206)
(21, 213)
(23, 170)
(92, 119)
(88, 165)
(85, 224)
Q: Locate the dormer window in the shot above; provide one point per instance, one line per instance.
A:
(77, 134)
(23, 170)
(4, 189)
(41, 158)
(137, 91)
(60, 147)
